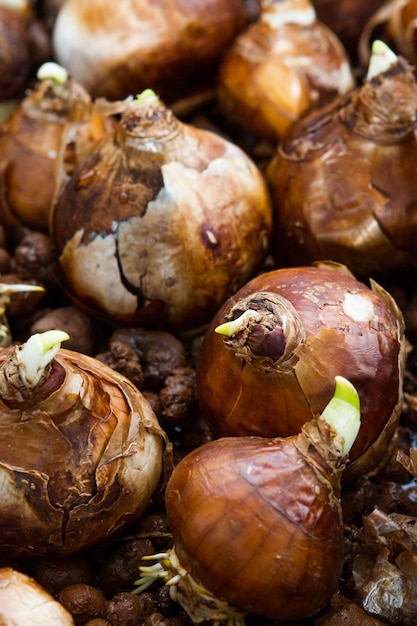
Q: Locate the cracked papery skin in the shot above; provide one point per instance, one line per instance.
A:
(162, 223)
(277, 372)
(81, 455)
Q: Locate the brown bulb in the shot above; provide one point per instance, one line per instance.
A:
(343, 180)
(41, 142)
(162, 222)
(15, 53)
(257, 524)
(24, 601)
(281, 67)
(346, 18)
(84, 451)
(171, 46)
(296, 328)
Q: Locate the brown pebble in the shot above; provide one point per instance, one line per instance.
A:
(121, 568)
(34, 258)
(147, 603)
(156, 619)
(160, 353)
(345, 612)
(165, 603)
(84, 602)
(55, 574)
(74, 322)
(178, 400)
(122, 358)
(4, 261)
(124, 609)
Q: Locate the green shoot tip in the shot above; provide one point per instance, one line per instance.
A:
(35, 355)
(52, 71)
(148, 95)
(382, 58)
(342, 413)
(229, 329)
(51, 338)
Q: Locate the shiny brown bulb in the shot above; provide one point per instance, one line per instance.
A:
(257, 522)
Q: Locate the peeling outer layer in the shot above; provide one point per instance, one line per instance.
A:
(257, 526)
(310, 324)
(162, 223)
(343, 182)
(82, 457)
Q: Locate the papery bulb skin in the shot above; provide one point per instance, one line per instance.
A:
(281, 67)
(161, 223)
(83, 458)
(257, 526)
(277, 369)
(54, 126)
(343, 180)
(116, 49)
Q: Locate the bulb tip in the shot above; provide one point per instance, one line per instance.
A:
(225, 329)
(52, 338)
(343, 414)
(344, 390)
(147, 95)
(230, 329)
(382, 58)
(52, 71)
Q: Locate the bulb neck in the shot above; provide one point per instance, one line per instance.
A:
(149, 124)
(383, 109)
(264, 329)
(15, 394)
(334, 431)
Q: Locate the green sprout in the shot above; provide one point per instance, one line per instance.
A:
(35, 355)
(343, 413)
